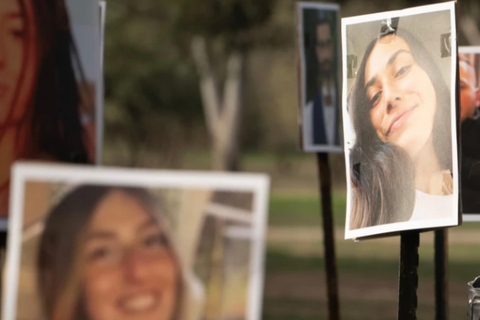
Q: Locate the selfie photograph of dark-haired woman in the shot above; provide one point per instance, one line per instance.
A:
(401, 124)
(49, 73)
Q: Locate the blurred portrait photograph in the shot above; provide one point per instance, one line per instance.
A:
(319, 89)
(469, 74)
(399, 116)
(49, 78)
(118, 244)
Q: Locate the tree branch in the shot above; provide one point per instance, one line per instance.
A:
(231, 97)
(208, 89)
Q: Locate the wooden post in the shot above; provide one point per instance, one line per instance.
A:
(441, 282)
(408, 276)
(328, 234)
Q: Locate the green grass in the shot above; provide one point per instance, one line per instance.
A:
(303, 209)
(280, 261)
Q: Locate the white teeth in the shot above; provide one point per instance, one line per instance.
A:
(139, 302)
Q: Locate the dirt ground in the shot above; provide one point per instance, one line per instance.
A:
(364, 294)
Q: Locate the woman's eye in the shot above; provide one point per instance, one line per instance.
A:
(402, 71)
(376, 97)
(101, 253)
(154, 240)
(18, 33)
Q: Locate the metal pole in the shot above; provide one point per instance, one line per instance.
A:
(328, 234)
(408, 276)
(441, 282)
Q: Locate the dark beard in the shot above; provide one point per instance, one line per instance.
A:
(325, 68)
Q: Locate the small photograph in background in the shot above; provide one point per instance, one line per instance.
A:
(469, 73)
(116, 244)
(319, 58)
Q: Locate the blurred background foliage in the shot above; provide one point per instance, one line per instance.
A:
(153, 102)
(154, 118)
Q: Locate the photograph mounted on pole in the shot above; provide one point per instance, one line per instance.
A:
(318, 54)
(399, 119)
(318, 58)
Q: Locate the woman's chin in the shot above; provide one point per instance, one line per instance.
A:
(414, 145)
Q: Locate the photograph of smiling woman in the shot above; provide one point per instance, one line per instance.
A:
(387, 179)
(86, 271)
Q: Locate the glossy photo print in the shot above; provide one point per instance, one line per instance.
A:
(318, 41)
(469, 74)
(49, 74)
(399, 116)
(102, 244)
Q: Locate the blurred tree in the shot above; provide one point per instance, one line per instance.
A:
(159, 53)
(150, 88)
(222, 32)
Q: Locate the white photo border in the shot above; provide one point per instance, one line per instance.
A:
(413, 225)
(23, 172)
(99, 111)
(301, 6)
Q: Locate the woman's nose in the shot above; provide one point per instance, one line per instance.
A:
(392, 100)
(133, 266)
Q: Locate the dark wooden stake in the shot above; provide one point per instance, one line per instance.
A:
(328, 234)
(408, 276)
(441, 282)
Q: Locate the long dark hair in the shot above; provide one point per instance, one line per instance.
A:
(382, 174)
(57, 261)
(54, 113)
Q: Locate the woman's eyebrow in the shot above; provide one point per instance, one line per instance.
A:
(395, 55)
(370, 82)
(390, 61)
(148, 224)
(99, 235)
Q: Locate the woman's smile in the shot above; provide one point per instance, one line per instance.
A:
(398, 121)
(139, 303)
(130, 272)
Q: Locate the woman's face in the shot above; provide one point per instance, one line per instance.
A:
(469, 92)
(17, 64)
(129, 271)
(401, 94)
